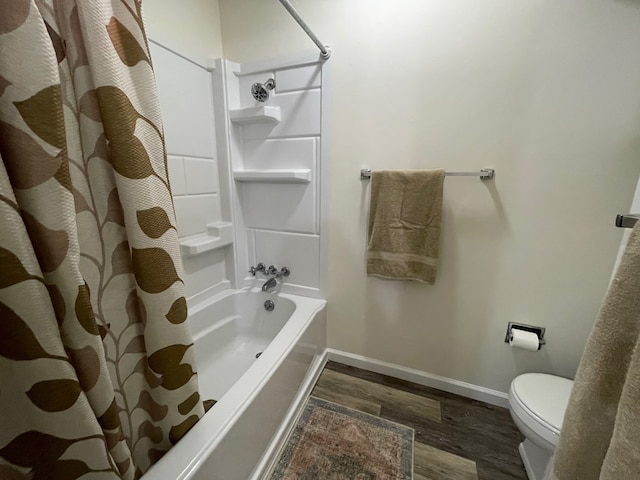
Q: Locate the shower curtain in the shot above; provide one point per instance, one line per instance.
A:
(97, 375)
(600, 437)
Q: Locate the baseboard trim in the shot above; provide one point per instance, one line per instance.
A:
(273, 451)
(469, 390)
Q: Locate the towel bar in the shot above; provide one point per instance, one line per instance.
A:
(484, 174)
(627, 221)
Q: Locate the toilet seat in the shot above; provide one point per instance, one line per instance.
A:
(539, 401)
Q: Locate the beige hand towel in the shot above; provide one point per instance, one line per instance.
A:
(404, 224)
(600, 437)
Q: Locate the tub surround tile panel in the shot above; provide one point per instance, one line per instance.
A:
(201, 176)
(280, 153)
(251, 247)
(186, 103)
(203, 272)
(280, 206)
(303, 291)
(176, 175)
(299, 252)
(281, 221)
(300, 78)
(300, 116)
(194, 212)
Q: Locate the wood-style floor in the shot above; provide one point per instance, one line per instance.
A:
(455, 437)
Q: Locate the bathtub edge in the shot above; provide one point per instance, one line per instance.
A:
(268, 462)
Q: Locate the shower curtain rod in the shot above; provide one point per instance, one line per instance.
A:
(325, 51)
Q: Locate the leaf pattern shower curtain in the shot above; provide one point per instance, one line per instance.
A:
(97, 374)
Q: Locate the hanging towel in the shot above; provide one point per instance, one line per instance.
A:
(600, 437)
(404, 224)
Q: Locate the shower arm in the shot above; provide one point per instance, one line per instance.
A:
(325, 51)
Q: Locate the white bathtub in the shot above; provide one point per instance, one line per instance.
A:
(258, 398)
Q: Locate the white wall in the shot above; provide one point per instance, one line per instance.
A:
(190, 27)
(546, 92)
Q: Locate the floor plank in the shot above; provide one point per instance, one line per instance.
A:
(415, 405)
(435, 464)
(345, 400)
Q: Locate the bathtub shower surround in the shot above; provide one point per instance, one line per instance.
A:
(260, 365)
(96, 365)
(277, 152)
(197, 179)
(247, 184)
(248, 177)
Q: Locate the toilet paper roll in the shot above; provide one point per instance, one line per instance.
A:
(523, 339)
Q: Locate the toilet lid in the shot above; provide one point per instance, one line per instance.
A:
(545, 396)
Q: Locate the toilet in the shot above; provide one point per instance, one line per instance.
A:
(537, 403)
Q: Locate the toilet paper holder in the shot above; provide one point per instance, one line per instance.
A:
(539, 331)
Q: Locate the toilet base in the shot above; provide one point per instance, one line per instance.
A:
(535, 459)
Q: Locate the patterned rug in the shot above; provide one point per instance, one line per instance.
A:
(332, 442)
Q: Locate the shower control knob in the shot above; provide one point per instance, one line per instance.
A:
(285, 272)
(258, 268)
(272, 270)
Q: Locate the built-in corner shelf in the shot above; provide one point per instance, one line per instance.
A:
(261, 114)
(302, 175)
(218, 235)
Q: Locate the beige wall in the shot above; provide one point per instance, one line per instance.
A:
(546, 92)
(635, 208)
(190, 27)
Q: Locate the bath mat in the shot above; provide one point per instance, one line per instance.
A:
(333, 442)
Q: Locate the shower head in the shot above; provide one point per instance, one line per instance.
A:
(260, 91)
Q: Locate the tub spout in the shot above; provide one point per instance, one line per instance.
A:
(269, 284)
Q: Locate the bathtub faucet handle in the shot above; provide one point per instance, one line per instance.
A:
(273, 270)
(258, 268)
(285, 272)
